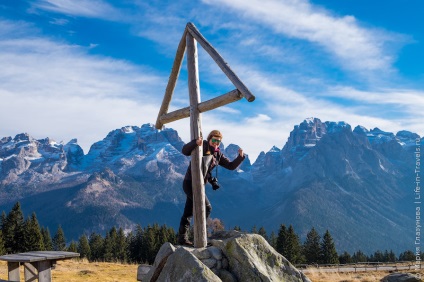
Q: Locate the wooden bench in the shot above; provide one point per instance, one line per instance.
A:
(37, 265)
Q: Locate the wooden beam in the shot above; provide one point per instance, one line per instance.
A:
(173, 77)
(208, 105)
(220, 62)
(198, 187)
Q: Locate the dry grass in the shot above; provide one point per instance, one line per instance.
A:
(81, 270)
(369, 276)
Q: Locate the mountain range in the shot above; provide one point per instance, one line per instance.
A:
(357, 183)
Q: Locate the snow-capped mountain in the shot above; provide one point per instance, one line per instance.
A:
(352, 182)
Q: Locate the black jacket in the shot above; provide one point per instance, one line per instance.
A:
(218, 158)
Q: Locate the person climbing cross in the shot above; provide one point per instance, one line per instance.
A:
(212, 158)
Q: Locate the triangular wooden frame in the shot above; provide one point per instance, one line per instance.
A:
(232, 96)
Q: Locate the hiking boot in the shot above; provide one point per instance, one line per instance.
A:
(184, 241)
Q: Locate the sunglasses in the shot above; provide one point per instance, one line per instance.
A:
(217, 141)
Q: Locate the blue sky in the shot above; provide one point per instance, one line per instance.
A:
(81, 68)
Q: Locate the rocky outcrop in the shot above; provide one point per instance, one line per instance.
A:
(401, 277)
(232, 256)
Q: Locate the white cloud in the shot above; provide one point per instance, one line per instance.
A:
(354, 46)
(258, 119)
(83, 8)
(412, 100)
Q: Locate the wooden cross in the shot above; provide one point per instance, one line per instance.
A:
(188, 41)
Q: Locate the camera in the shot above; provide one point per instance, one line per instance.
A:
(214, 182)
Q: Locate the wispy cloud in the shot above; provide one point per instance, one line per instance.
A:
(82, 8)
(355, 47)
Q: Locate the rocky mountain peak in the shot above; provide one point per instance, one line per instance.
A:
(304, 136)
(22, 137)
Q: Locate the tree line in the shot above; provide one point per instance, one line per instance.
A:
(142, 244)
(139, 246)
(317, 250)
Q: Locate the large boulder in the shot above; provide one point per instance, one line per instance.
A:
(401, 277)
(251, 258)
(233, 256)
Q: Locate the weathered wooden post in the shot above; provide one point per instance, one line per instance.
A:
(188, 41)
(200, 236)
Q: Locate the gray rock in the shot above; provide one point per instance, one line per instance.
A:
(142, 271)
(215, 252)
(226, 276)
(218, 264)
(225, 263)
(251, 258)
(401, 277)
(211, 262)
(165, 251)
(202, 253)
(184, 266)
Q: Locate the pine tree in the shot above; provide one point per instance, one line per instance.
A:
(121, 246)
(84, 247)
(32, 237)
(172, 237)
(237, 228)
(149, 244)
(96, 247)
(281, 239)
(293, 250)
(73, 247)
(135, 242)
(311, 247)
(108, 247)
(3, 220)
(2, 248)
(272, 240)
(378, 256)
(391, 256)
(328, 250)
(130, 238)
(262, 232)
(254, 230)
(407, 256)
(345, 258)
(59, 241)
(359, 256)
(47, 239)
(13, 230)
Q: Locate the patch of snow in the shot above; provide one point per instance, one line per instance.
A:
(274, 149)
(9, 157)
(95, 188)
(333, 127)
(350, 170)
(34, 158)
(341, 188)
(128, 129)
(381, 166)
(309, 145)
(152, 166)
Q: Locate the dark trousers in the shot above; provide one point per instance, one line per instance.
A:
(188, 209)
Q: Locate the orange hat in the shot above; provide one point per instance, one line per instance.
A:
(215, 133)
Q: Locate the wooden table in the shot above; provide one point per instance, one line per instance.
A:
(37, 265)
